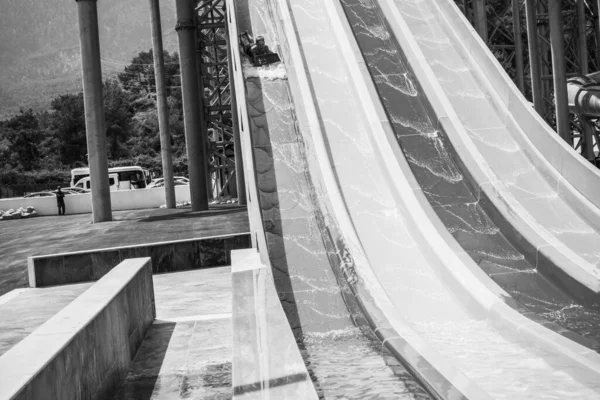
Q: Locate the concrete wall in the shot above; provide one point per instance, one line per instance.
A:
(266, 359)
(180, 255)
(82, 203)
(84, 351)
(254, 211)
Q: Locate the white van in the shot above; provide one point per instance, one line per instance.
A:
(113, 181)
(133, 177)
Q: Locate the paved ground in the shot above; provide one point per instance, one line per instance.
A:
(20, 239)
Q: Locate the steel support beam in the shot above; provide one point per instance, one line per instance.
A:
(581, 38)
(587, 146)
(87, 13)
(195, 132)
(161, 101)
(480, 19)
(534, 59)
(518, 45)
(557, 43)
(596, 8)
(237, 146)
(545, 60)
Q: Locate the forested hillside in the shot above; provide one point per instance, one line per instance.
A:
(41, 147)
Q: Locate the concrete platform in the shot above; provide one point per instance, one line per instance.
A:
(186, 354)
(22, 311)
(20, 239)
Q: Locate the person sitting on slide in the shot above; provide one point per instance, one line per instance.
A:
(254, 49)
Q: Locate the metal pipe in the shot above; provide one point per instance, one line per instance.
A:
(563, 126)
(87, 13)
(237, 144)
(480, 19)
(581, 24)
(534, 60)
(518, 45)
(584, 95)
(161, 100)
(192, 111)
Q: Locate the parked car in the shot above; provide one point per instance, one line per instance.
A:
(160, 182)
(74, 190)
(52, 193)
(40, 194)
(176, 182)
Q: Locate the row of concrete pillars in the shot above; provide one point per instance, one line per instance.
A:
(195, 127)
(558, 51)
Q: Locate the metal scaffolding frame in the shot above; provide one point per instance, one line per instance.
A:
(214, 85)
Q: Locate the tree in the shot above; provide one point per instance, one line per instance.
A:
(138, 77)
(19, 141)
(67, 129)
(118, 112)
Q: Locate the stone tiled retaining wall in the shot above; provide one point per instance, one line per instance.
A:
(83, 266)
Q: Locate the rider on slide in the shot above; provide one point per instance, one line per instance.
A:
(255, 50)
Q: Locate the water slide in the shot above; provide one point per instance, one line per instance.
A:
(526, 218)
(391, 233)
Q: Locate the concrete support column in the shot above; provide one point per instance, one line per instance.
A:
(480, 19)
(161, 104)
(559, 69)
(94, 109)
(195, 136)
(534, 56)
(518, 45)
(237, 144)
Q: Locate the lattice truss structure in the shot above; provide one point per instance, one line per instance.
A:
(214, 84)
(506, 20)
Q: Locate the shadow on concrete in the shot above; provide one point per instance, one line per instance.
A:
(144, 378)
(193, 214)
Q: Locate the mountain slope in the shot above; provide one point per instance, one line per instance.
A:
(39, 46)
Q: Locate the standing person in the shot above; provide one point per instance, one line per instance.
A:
(60, 201)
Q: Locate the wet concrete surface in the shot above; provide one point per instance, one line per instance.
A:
(188, 351)
(434, 164)
(20, 239)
